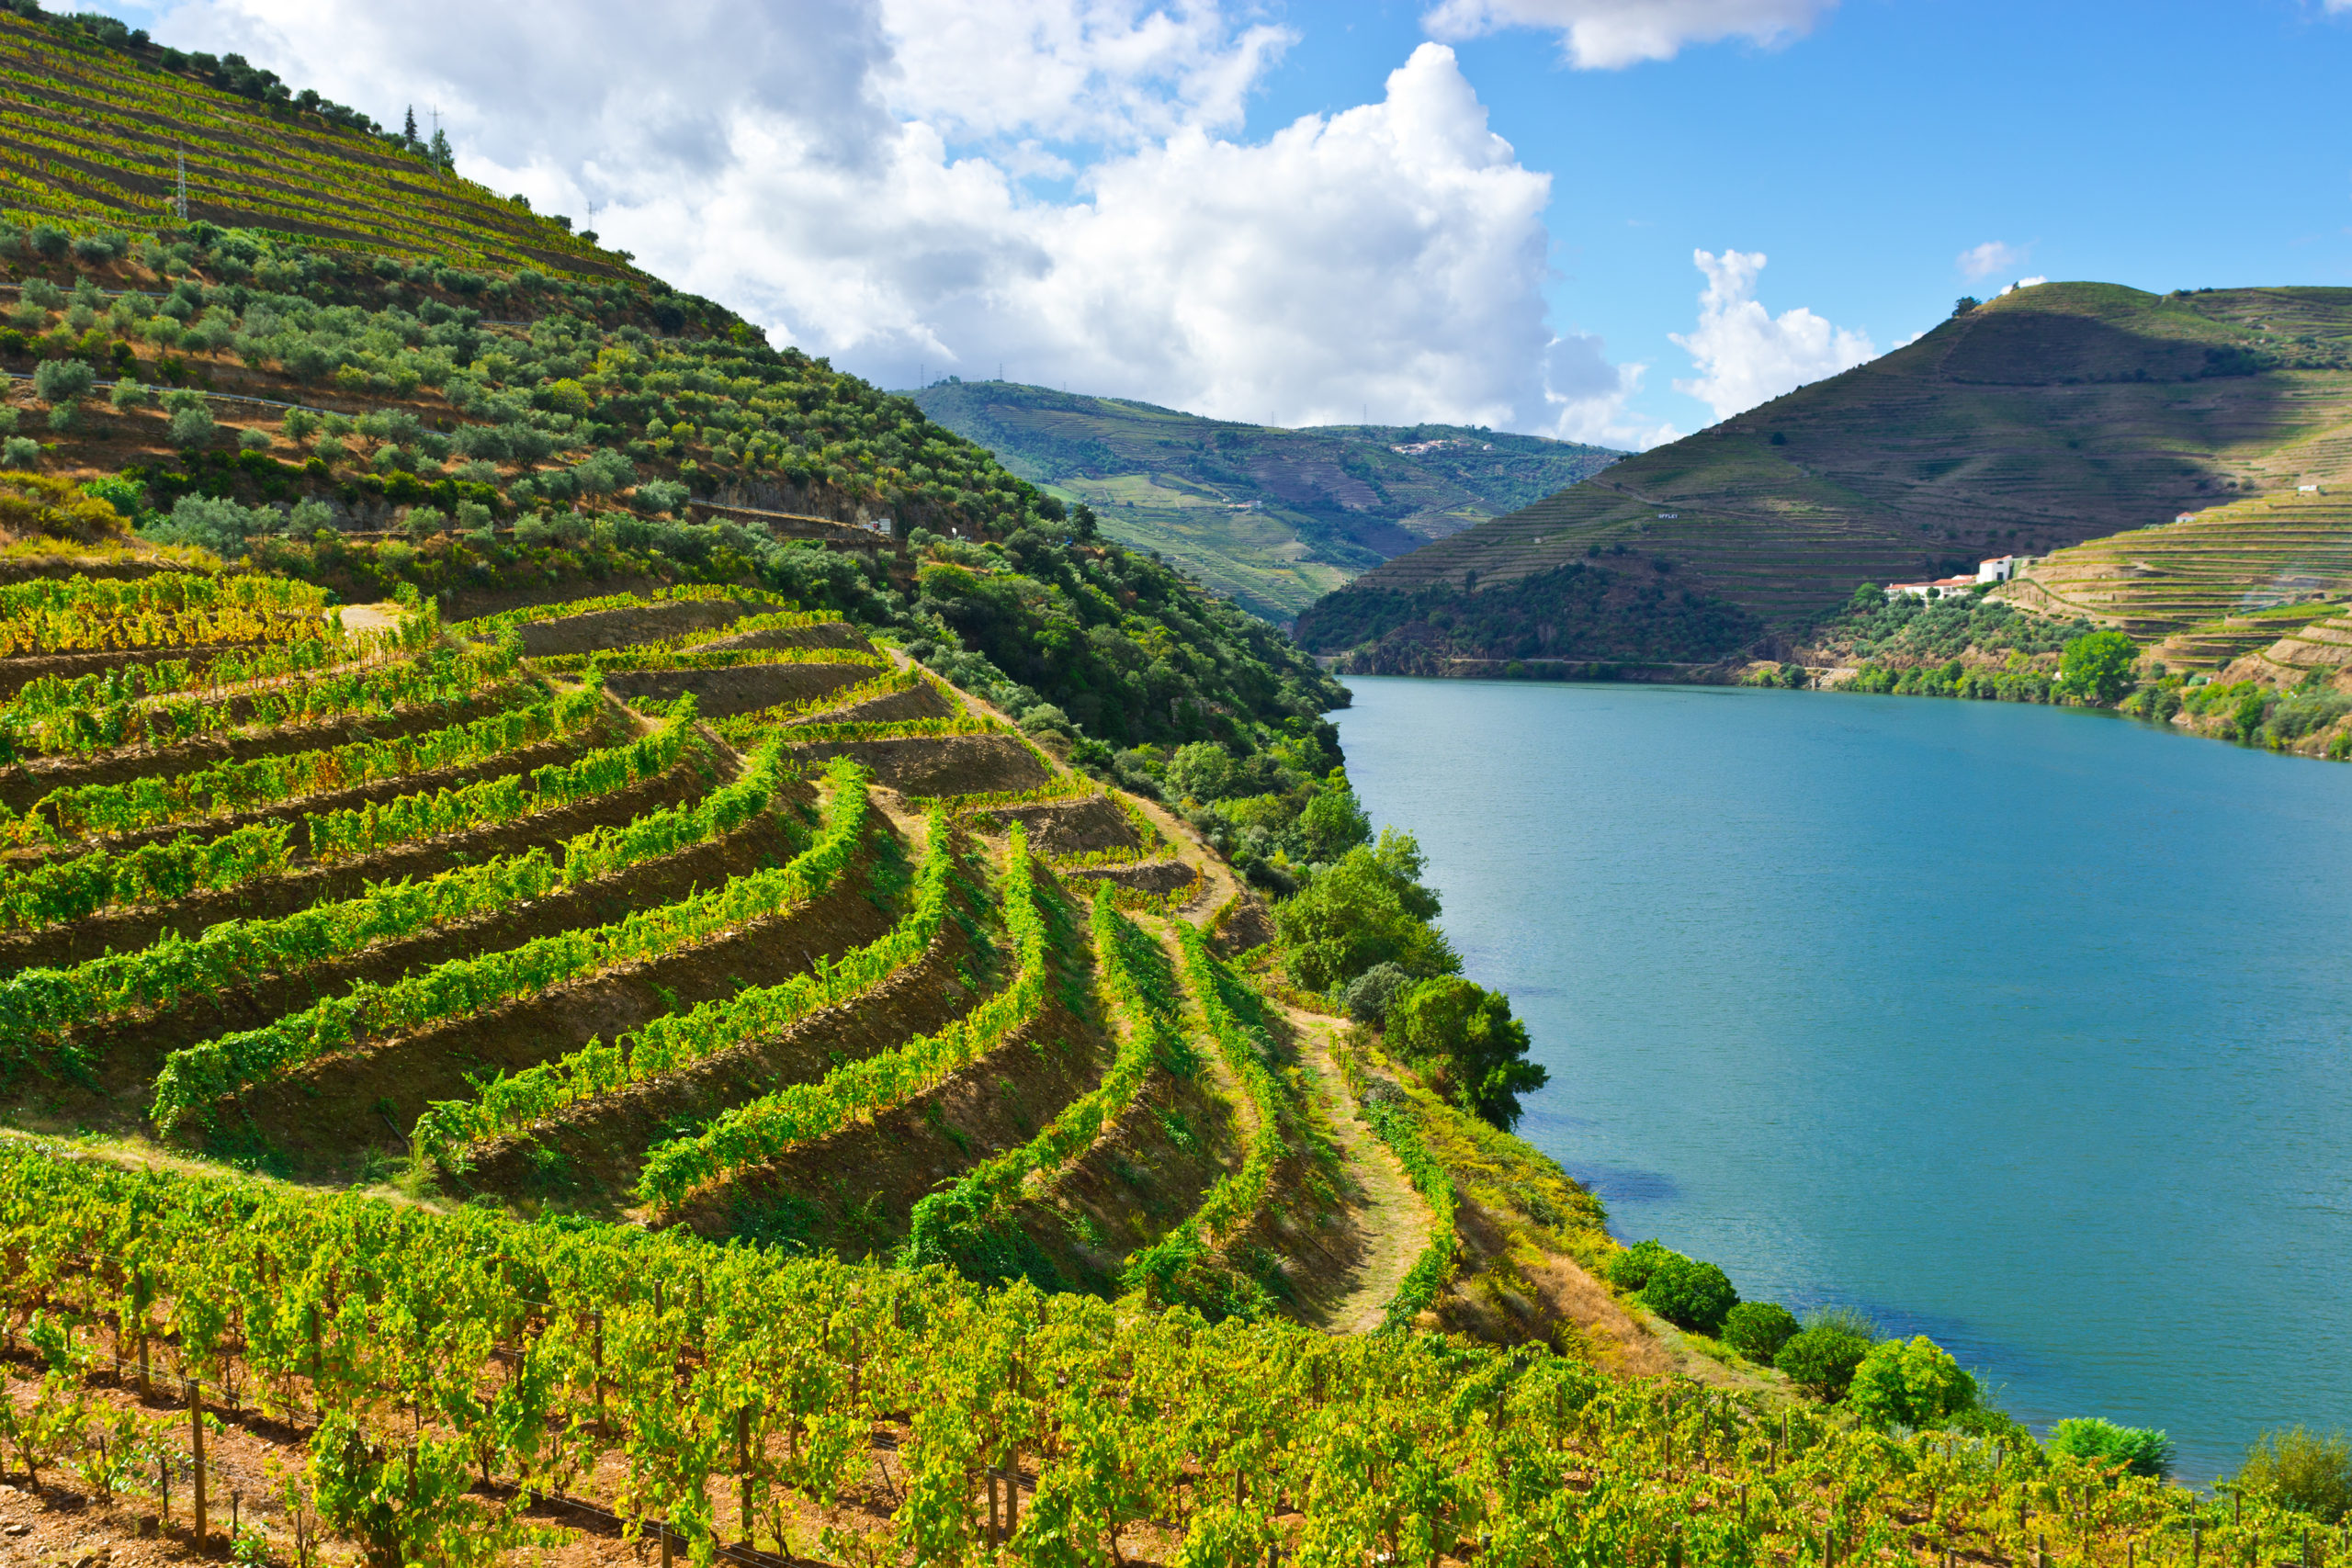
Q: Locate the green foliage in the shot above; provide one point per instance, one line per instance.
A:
(1822, 1358)
(1368, 997)
(1368, 907)
(1915, 1383)
(1758, 1329)
(2303, 1471)
(2097, 667)
(62, 380)
(1464, 1037)
(1630, 1269)
(2139, 1450)
(1689, 1294)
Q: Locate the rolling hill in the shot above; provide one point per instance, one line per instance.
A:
(2042, 420)
(1272, 518)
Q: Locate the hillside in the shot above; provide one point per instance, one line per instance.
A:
(97, 126)
(1273, 518)
(2040, 420)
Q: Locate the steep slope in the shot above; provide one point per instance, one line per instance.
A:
(1272, 517)
(2045, 418)
(98, 125)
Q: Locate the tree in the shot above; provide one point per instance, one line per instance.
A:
(408, 127)
(1822, 1359)
(1916, 1384)
(1083, 523)
(2303, 1471)
(1965, 303)
(62, 380)
(441, 154)
(1333, 823)
(1464, 1035)
(2098, 666)
(1202, 771)
(192, 429)
(1758, 1329)
(1367, 908)
(1689, 1294)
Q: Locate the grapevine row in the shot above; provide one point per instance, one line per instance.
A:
(751, 1135)
(87, 810)
(1135, 972)
(1236, 1196)
(1435, 1267)
(512, 1102)
(38, 1002)
(194, 1076)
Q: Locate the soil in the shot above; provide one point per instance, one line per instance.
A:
(892, 707)
(1154, 876)
(923, 766)
(601, 631)
(320, 1119)
(1057, 828)
(721, 692)
(824, 634)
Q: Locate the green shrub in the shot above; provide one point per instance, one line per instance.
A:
(251, 440)
(20, 452)
(2140, 1450)
(1465, 1035)
(1689, 1294)
(1631, 1269)
(2304, 1471)
(192, 429)
(1758, 1329)
(1370, 995)
(1915, 1383)
(2098, 666)
(1822, 1359)
(62, 380)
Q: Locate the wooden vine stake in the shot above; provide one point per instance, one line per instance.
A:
(196, 1434)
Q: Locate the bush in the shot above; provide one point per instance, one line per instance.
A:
(656, 496)
(1914, 1384)
(2098, 666)
(2140, 1450)
(50, 241)
(253, 440)
(1631, 1269)
(128, 394)
(1758, 1329)
(1466, 1033)
(2303, 1471)
(192, 429)
(1822, 1359)
(62, 380)
(20, 452)
(210, 524)
(1369, 996)
(1689, 1294)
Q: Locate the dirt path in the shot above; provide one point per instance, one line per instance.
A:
(1383, 1225)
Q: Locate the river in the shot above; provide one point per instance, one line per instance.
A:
(2024, 1028)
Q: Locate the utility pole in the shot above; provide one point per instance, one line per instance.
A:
(179, 205)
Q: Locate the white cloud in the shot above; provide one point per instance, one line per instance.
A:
(1744, 353)
(1611, 34)
(1055, 185)
(1992, 256)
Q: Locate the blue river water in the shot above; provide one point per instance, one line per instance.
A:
(2020, 1027)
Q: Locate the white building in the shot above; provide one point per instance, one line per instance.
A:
(1943, 587)
(2001, 568)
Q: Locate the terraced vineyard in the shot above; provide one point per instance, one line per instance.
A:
(2047, 418)
(2228, 581)
(686, 909)
(90, 131)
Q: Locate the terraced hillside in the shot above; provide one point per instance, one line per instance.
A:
(2226, 582)
(2046, 418)
(1275, 518)
(99, 133)
(690, 909)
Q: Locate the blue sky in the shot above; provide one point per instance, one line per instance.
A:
(1471, 210)
(2163, 145)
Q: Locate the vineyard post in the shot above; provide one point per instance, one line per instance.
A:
(138, 1302)
(2196, 1541)
(196, 1436)
(743, 1468)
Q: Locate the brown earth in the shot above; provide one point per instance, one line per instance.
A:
(1058, 828)
(924, 766)
(824, 634)
(1154, 877)
(603, 630)
(1380, 1225)
(721, 692)
(892, 708)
